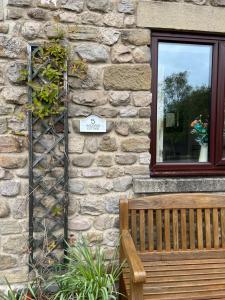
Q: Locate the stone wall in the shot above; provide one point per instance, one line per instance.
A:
(117, 87)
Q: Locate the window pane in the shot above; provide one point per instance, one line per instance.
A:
(183, 102)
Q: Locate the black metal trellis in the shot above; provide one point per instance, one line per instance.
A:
(48, 180)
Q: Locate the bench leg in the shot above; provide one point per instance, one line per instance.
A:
(122, 289)
(136, 291)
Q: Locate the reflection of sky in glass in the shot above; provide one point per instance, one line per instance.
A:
(195, 59)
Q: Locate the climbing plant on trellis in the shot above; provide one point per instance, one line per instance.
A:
(48, 154)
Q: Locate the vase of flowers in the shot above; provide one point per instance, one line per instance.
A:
(200, 130)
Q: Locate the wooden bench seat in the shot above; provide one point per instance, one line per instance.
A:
(174, 247)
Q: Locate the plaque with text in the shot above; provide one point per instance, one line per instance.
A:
(93, 124)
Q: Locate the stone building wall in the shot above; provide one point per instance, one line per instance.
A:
(117, 87)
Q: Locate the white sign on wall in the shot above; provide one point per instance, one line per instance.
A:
(93, 124)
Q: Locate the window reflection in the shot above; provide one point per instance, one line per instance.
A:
(183, 104)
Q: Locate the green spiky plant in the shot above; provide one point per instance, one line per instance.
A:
(88, 276)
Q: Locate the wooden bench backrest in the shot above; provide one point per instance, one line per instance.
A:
(175, 222)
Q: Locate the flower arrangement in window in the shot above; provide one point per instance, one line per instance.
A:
(200, 130)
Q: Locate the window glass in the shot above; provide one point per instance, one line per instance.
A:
(183, 102)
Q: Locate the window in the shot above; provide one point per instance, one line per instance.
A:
(188, 85)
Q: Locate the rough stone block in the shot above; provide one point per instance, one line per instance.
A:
(138, 37)
(104, 222)
(76, 6)
(141, 127)
(164, 15)
(16, 245)
(14, 13)
(12, 47)
(113, 19)
(89, 98)
(91, 81)
(121, 54)
(104, 161)
(108, 144)
(20, 3)
(9, 188)
(10, 227)
(14, 95)
(7, 262)
(126, 6)
(100, 187)
(4, 28)
(12, 162)
(128, 112)
(112, 204)
(92, 52)
(4, 209)
(31, 30)
(125, 159)
(37, 13)
(111, 237)
(9, 144)
(127, 77)
(142, 98)
(122, 184)
(108, 36)
(106, 112)
(141, 144)
(92, 18)
(77, 187)
(92, 144)
(122, 128)
(83, 33)
(98, 5)
(92, 206)
(79, 223)
(83, 161)
(13, 72)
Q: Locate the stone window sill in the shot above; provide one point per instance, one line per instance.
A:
(145, 185)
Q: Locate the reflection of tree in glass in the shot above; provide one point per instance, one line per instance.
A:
(187, 103)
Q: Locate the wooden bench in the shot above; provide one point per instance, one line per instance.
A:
(174, 247)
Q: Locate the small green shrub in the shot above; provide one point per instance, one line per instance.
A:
(88, 276)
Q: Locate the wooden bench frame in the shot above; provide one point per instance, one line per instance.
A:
(211, 246)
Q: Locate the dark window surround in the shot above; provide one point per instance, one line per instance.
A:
(216, 164)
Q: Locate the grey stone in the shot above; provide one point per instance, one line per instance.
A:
(6, 109)
(92, 52)
(52, 31)
(137, 170)
(7, 262)
(76, 6)
(16, 245)
(114, 172)
(92, 18)
(121, 54)
(3, 125)
(144, 112)
(145, 158)
(78, 110)
(126, 6)
(124, 77)
(140, 144)
(104, 161)
(106, 112)
(108, 144)
(76, 144)
(142, 98)
(125, 159)
(94, 172)
(19, 208)
(4, 28)
(128, 112)
(9, 144)
(122, 128)
(14, 95)
(12, 47)
(100, 187)
(12, 162)
(10, 227)
(83, 161)
(92, 144)
(49, 4)
(138, 37)
(179, 185)
(89, 98)
(79, 223)
(91, 81)
(14, 13)
(141, 54)
(122, 184)
(14, 70)
(99, 5)
(69, 17)
(112, 204)
(31, 30)
(104, 222)
(17, 125)
(37, 13)
(4, 209)
(111, 237)
(77, 187)
(114, 19)
(92, 205)
(9, 188)
(17, 276)
(20, 3)
(119, 98)
(141, 127)
(109, 36)
(83, 33)
(130, 21)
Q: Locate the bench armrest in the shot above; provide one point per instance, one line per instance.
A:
(134, 261)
